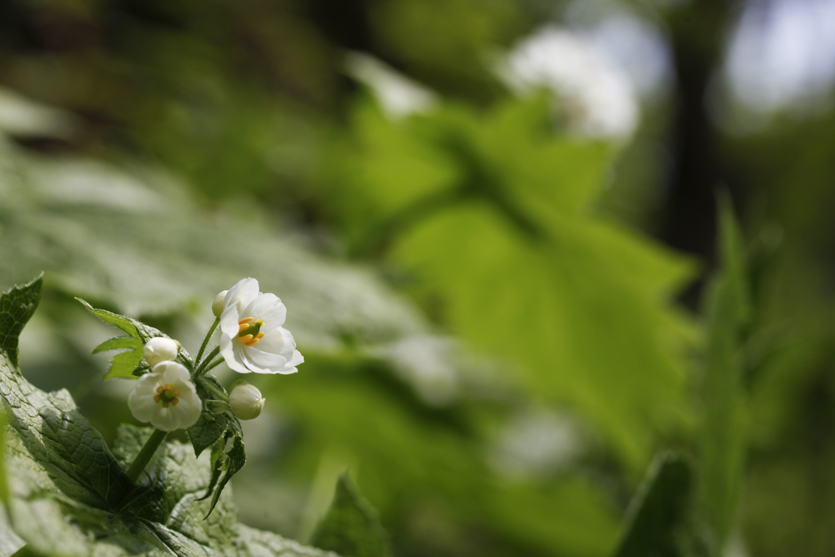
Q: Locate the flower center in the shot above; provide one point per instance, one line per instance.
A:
(167, 395)
(249, 331)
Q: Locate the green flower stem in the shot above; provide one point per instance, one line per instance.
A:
(213, 365)
(145, 454)
(206, 340)
(214, 390)
(201, 368)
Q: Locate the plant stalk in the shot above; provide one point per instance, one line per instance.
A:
(201, 368)
(145, 454)
(206, 340)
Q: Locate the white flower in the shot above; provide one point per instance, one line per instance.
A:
(251, 336)
(160, 349)
(593, 94)
(246, 401)
(217, 305)
(398, 95)
(166, 398)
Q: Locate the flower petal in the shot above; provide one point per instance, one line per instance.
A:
(189, 408)
(232, 352)
(270, 308)
(165, 418)
(259, 361)
(279, 341)
(172, 372)
(141, 399)
(242, 294)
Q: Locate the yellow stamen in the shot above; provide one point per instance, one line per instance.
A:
(175, 401)
(165, 405)
(246, 320)
(176, 392)
(245, 339)
(169, 387)
(160, 389)
(157, 398)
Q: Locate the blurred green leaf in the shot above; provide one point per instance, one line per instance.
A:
(16, 307)
(660, 521)
(493, 214)
(351, 526)
(723, 434)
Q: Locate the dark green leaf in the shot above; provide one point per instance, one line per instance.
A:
(16, 307)
(660, 521)
(351, 526)
(209, 427)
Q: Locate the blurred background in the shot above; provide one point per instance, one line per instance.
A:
(492, 222)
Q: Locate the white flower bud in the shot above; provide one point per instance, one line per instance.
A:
(160, 349)
(246, 401)
(217, 305)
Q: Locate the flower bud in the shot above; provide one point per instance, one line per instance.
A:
(246, 401)
(160, 349)
(217, 305)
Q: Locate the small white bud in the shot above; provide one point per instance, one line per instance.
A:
(217, 306)
(160, 349)
(246, 401)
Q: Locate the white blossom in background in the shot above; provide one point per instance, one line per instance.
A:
(166, 398)
(536, 444)
(427, 363)
(160, 349)
(398, 95)
(592, 94)
(252, 339)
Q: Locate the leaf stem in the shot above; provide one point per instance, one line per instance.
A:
(206, 340)
(145, 454)
(201, 368)
(213, 365)
(214, 390)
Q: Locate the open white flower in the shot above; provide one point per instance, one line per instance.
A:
(252, 339)
(166, 398)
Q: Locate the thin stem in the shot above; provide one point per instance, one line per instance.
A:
(199, 371)
(145, 454)
(213, 365)
(206, 340)
(217, 392)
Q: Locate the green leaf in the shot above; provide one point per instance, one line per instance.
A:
(497, 226)
(209, 427)
(124, 365)
(660, 519)
(16, 307)
(724, 425)
(228, 457)
(117, 343)
(351, 526)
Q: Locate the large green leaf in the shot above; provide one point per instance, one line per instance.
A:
(69, 496)
(129, 238)
(493, 215)
(723, 433)
(661, 519)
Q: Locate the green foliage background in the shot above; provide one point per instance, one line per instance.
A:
(513, 343)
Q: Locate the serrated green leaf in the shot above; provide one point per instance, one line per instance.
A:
(125, 364)
(660, 520)
(227, 460)
(16, 307)
(498, 228)
(723, 432)
(209, 427)
(351, 526)
(117, 343)
(124, 323)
